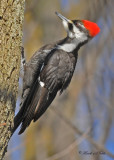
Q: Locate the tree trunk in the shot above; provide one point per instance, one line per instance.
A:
(11, 20)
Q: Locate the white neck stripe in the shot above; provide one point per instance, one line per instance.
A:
(67, 47)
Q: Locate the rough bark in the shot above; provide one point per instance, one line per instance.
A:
(11, 20)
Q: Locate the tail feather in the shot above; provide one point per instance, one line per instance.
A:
(25, 105)
(18, 118)
(31, 109)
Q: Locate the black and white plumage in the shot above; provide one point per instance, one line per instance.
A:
(50, 70)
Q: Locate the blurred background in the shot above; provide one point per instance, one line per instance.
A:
(88, 103)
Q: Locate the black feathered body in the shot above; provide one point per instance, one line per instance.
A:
(54, 68)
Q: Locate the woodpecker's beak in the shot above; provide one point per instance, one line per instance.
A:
(66, 23)
(63, 18)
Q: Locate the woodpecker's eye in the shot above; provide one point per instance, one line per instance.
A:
(76, 23)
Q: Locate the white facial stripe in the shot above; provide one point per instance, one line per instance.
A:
(80, 36)
(82, 26)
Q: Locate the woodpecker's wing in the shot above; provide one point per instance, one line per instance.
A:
(31, 73)
(35, 64)
(56, 75)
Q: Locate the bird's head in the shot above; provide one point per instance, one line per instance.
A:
(82, 30)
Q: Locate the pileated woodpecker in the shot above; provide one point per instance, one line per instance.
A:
(51, 69)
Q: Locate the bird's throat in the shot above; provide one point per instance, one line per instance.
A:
(68, 44)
